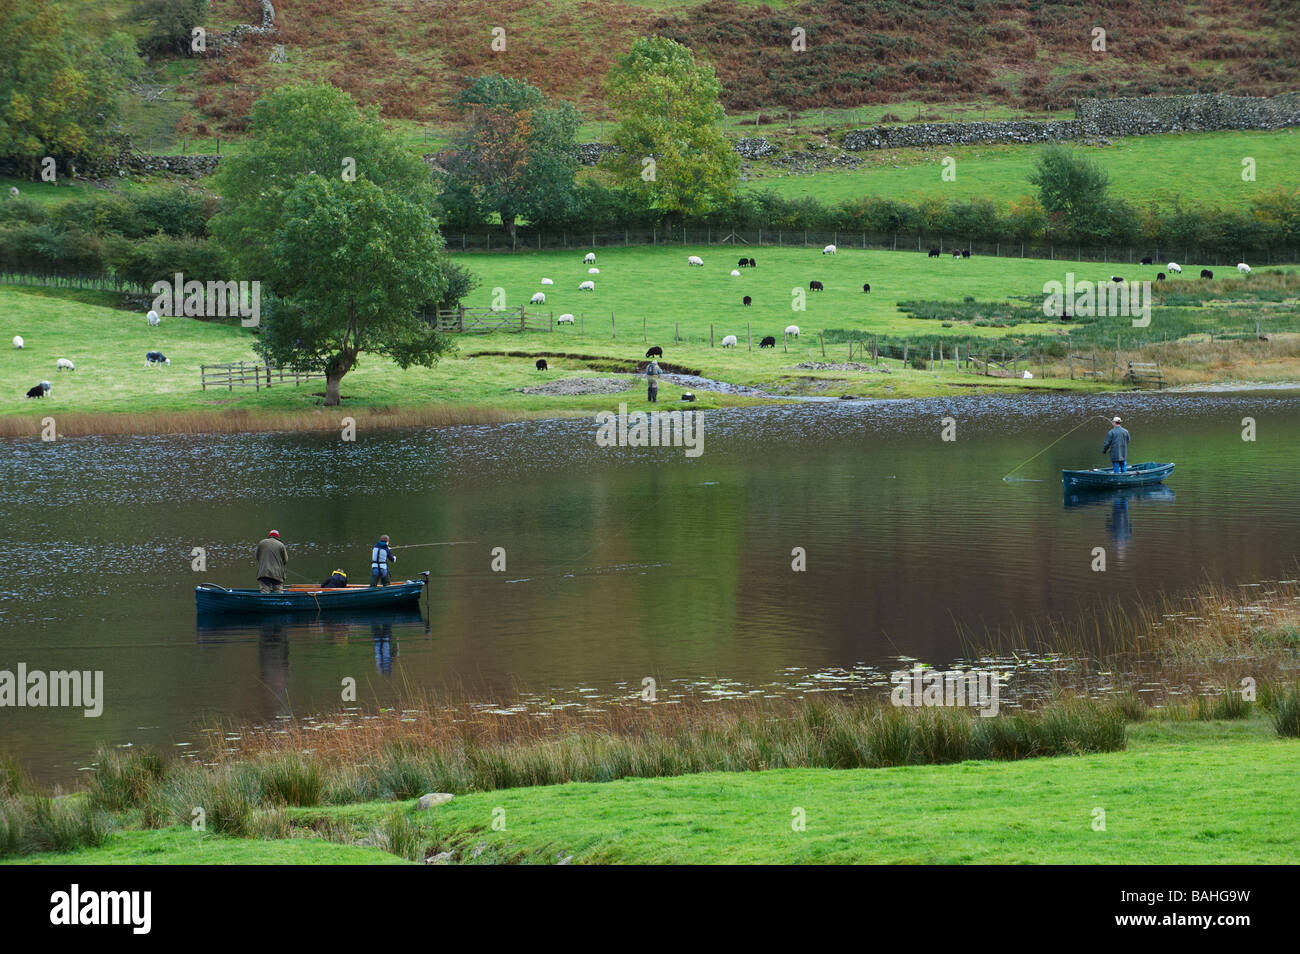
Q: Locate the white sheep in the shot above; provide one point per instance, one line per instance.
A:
(63, 364)
(792, 330)
(13, 191)
(694, 260)
(590, 259)
(548, 281)
(729, 341)
(538, 299)
(564, 319)
(829, 250)
(593, 271)
(153, 318)
(1174, 267)
(1243, 268)
(587, 286)
(18, 342)
(735, 273)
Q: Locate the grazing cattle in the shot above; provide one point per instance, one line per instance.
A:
(587, 286)
(792, 330)
(735, 274)
(768, 342)
(156, 357)
(39, 391)
(153, 319)
(1146, 261)
(1243, 268)
(63, 364)
(1117, 279)
(538, 299)
(934, 253)
(816, 286)
(18, 342)
(743, 263)
(694, 260)
(541, 364)
(1175, 268)
(564, 319)
(1206, 273)
(829, 250)
(729, 341)
(655, 352)
(866, 287)
(590, 259)
(1160, 276)
(593, 271)
(547, 281)
(965, 253)
(747, 301)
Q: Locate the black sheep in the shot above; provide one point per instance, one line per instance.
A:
(655, 352)
(768, 342)
(1146, 261)
(37, 392)
(1117, 279)
(743, 263)
(753, 264)
(1206, 273)
(747, 300)
(541, 364)
(1160, 276)
(866, 287)
(934, 253)
(816, 286)
(965, 253)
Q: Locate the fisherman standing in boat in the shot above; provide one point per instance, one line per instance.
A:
(271, 559)
(1117, 443)
(381, 554)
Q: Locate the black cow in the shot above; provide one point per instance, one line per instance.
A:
(655, 352)
(38, 391)
(816, 286)
(541, 364)
(768, 342)
(1206, 273)
(1147, 261)
(866, 287)
(934, 253)
(1160, 276)
(747, 301)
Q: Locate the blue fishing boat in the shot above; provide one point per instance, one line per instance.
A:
(211, 598)
(1139, 475)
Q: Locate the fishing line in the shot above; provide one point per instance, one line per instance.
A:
(1087, 420)
(450, 543)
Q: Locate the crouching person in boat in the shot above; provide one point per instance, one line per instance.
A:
(381, 554)
(272, 556)
(1117, 443)
(338, 579)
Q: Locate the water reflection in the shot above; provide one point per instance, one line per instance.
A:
(1119, 524)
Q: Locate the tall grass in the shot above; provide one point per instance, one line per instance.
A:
(1286, 713)
(36, 823)
(125, 779)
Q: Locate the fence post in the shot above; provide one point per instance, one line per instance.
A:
(749, 340)
(613, 329)
(710, 334)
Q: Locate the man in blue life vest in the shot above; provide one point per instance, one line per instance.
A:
(1117, 443)
(381, 554)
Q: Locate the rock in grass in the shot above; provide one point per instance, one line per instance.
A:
(433, 800)
(442, 858)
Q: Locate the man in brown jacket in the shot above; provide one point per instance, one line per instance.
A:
(271, 559)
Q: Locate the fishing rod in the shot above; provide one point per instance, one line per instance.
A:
(1086, 420)
(449, 543)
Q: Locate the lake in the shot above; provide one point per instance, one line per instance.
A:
(620, 563)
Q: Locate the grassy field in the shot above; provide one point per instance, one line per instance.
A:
(1180, 793)
(1199, 167)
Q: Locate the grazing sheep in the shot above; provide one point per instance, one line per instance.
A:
(13, 191)
(866, 287)
(40, 390)
(694, 260)
(792, 330)
(934, 253)
(729, 341)
(655, 352)
(63, 364)
(816, 286)
(587, 286)
(593, 271)
(829, 250)
(548, 281)
(1160, 276)
(753, 264)
(1206, 273)
(965, 253)
(957, 253)
(541, 364)
(735, 274)
(743, 263)
(688, 396)
(590, 259)
(768, 342)
(1146, 261)
(564, 319)
(538, 299)
(18, 342)
(1243, 268)
(1175, 268)
(156, 357)
(747, 301)
(153, 319)
(1117, 279)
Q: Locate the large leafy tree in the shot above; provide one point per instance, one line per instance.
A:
(1074, 191)
(670, 111)
(517, 155)
(171, 22)
(350, 263)
(60, 86)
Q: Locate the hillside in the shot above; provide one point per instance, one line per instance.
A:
(408, 56)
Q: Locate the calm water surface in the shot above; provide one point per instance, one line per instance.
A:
(620, 563)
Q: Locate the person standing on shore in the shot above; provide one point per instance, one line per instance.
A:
(272, 557)
(652, 373)
(1117, 443)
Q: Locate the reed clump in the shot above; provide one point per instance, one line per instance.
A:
(36, 823)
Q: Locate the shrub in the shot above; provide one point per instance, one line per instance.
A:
(123, 780)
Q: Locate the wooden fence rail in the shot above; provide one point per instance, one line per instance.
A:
(242, 374)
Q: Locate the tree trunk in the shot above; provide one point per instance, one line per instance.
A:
(332, 383)
(340, 365)
(508, 223)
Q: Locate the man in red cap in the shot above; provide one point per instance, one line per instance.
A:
(271, 559)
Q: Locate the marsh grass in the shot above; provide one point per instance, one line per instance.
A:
(1228, 704)
(124, 779)
(37, 823)
(1286, 713)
